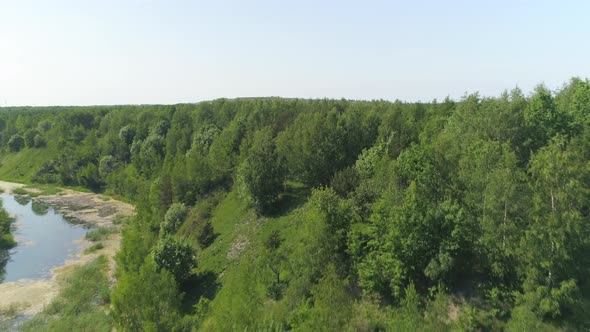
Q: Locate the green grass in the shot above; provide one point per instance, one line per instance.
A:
(20, 167)
(94, 248)
(20, 191)
(99, 234)
(121, 219)
(80, 304)
(233, 222)
(43, 189)
(225, 219)
(37, 190)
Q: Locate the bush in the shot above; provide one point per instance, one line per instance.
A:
(47, 173)
(88, 176)
(20, 191)
(16, 143)
(174, 218)
(94, 248)
(205, 234)
(30, 137)
(100, 233)
(147, 300)
(177, 257)
(345, 181)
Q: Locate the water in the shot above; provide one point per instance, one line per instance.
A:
(44, 240)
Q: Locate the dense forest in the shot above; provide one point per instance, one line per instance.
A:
(329, 215)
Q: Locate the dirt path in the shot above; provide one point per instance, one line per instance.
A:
(31, 296)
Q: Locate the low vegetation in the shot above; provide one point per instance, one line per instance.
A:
(94, 248)
(81, 304)
(100, 233)
(20, 191)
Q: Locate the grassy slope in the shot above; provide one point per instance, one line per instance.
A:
(20, 167)
(237, 228)
(239, 235)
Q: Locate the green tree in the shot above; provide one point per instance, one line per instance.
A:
(331, 308)
(203, 139)
(147, 300)
(556, 242)
(106, 166)
(135, 246)
(30, 137)
(494, 194)
(541, 117)
(127, 134)
(274, 261)
(39, 141)
(88, 176)
(345, 181)
(580, 104)
(16, 143)
(44, 126)
(315, 146)
(178, 257)
(174, 218)
(260, 176)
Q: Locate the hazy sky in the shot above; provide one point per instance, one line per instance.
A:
(127, 52)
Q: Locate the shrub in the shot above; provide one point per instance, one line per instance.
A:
(93, 248)
(100, 233)
(16, 143)
(177, 257)
(174, 218)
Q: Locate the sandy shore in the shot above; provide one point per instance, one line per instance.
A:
(8, 187)
(31, 296)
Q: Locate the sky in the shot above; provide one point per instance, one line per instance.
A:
(108, 52)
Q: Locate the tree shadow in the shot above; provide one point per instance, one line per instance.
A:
(4, 258)
(206, 235)
(293, 197)
(204, 284)
(22, 199)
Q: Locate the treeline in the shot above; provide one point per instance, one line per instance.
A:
(350, 215)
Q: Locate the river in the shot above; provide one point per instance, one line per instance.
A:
(44, 240)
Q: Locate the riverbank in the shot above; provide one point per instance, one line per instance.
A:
(29, 297)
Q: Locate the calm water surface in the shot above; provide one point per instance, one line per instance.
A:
(44, 240)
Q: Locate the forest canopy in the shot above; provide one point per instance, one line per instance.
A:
(293, 214)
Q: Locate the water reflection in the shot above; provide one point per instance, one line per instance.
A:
(39, 208)
(44, 240)
(22, 200)
(4, 256)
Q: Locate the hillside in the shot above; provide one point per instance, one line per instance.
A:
(307, 215)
